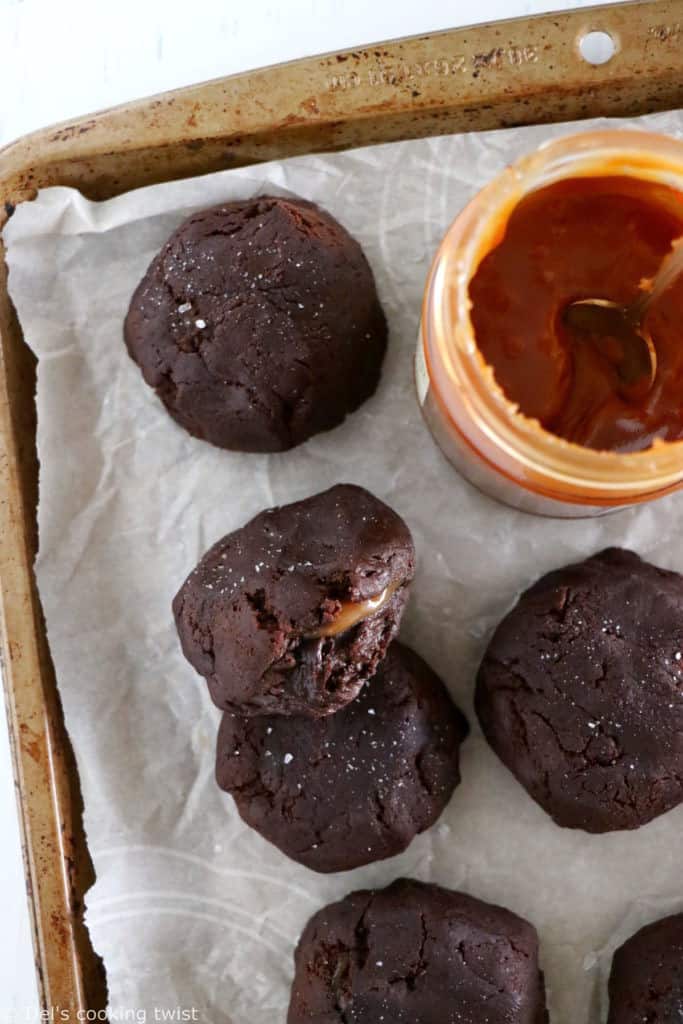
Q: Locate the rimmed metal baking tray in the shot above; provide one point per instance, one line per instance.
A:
(500, 75)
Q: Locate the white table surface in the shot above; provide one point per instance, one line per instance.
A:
(71, 57)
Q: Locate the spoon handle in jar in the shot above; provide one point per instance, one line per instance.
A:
(669, 269)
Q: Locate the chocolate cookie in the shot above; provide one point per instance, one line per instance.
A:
(416, 954)
(350, 788)
(580, 692)
(258, 324)
(646, 983)
(292, 613)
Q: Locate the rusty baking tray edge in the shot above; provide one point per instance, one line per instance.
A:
(508, 73)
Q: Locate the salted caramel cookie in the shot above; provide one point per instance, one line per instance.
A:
(258, 324)
(580, 692)
(646, 982)
(416, 954)
(354, 787)
(292, 613)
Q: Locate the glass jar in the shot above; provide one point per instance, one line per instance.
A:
(483, 434)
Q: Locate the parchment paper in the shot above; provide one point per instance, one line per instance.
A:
(191, 909)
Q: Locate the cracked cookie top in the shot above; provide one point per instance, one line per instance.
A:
(580, 692)
(293, 612)
(352, 788)
(415, 953)
(258, 324)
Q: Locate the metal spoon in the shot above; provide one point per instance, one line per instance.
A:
(634, 354)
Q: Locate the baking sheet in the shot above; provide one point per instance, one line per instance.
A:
(193, 913)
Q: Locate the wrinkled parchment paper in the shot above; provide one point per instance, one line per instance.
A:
(191, 909)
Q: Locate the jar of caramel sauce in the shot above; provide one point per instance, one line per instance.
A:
(528, 412)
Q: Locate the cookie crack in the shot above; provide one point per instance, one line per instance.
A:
(266, 617)
(421, 967)
(463, 950)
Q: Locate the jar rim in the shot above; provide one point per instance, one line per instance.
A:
(460, 376)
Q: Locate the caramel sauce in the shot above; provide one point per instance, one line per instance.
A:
(593, 237)
(353, 612)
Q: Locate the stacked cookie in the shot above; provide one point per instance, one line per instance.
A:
(338, 743)
(258, 325)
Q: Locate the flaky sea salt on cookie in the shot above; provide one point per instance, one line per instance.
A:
(258, 324)
(292, 613)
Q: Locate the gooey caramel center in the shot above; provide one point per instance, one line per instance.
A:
(353, 612)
